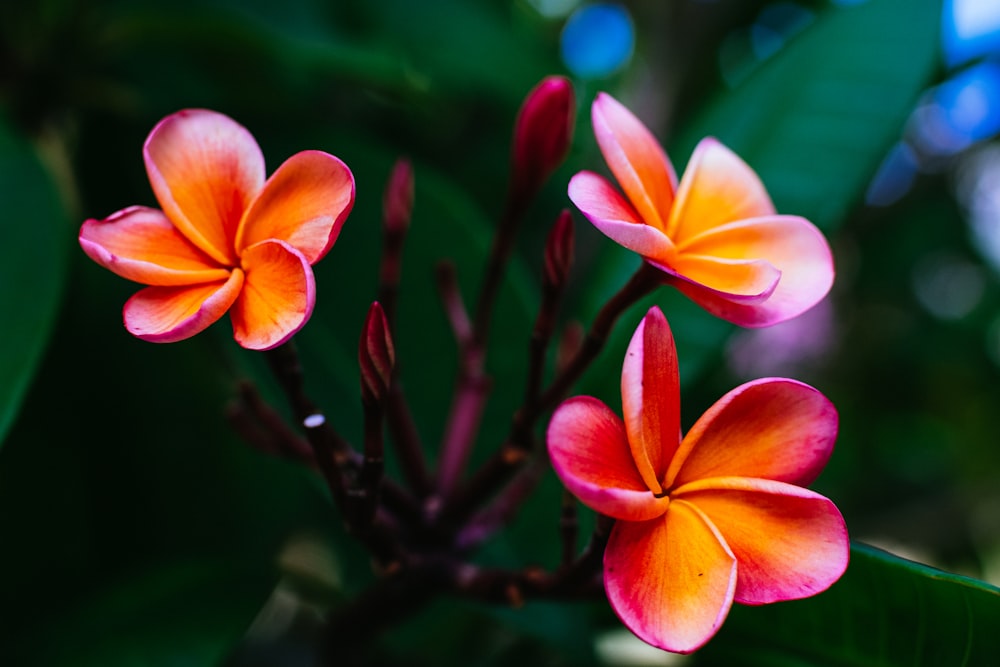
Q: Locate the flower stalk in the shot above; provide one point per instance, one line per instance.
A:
(377, 359)
(497, 470)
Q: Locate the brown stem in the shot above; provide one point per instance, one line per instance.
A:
(503, 510)
(569, 526)
(373, 465)
(394, 598)
(500, 251)
(330, 450)
(644, 281)
(498, 468)
(336, 459)
(406, 440)
(580, 579)
(262, 427)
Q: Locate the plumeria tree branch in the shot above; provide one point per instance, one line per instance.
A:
(421, 578)
(230, 240)
(542, 134)
(263, 427)
(508, 458)
(331, 452)
(397, 208)
(337, 460)
(472, 387)
(555, 274)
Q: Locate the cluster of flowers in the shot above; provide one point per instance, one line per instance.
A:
(716, 516)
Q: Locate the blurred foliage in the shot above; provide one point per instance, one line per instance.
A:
(33, 254)
(125, 499)
(944, 615)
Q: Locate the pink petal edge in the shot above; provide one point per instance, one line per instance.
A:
(590, 454)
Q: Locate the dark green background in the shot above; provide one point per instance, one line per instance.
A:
(135, 527)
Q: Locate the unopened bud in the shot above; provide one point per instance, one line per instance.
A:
(559, 250)
(397, 201)
(542, 135)
(376, 355)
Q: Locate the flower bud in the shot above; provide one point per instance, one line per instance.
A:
(559, 250)
(542, 135)
(397, 201)
(376, 355)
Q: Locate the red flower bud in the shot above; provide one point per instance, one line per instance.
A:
(542, 135)
(376, 355)
(397, 201)
(559, 250)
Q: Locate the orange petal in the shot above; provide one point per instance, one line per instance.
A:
(591, 456)
(789, 542)
(739, 281)
(277, 297)
(303, 203)
(772, 428)
(671, 580)
(170, 314)
(615, 218)
(792, 245)
(651, 399)
(636, 159)
(140, 244)
(205, 170)
(717, 187)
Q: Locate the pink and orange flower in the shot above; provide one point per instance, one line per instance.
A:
(718, 516)
(715, 236)
(226, 239)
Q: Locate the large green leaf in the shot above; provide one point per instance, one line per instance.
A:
(184, 613)
(32, 266)
(816, 119)
(885, 611)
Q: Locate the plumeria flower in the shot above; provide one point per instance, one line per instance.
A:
(717, 516)
(226, 239)
(716, 236)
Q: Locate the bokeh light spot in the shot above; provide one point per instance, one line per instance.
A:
(959, 112)
(948, 286)
(970, 29)
(597, 40)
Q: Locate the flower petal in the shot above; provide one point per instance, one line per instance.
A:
(771, 428)
(793, 245)
(717, 187)
(303, 203)
(277, 298)
(604, 206)
(736, 280)
(789, 542)
(670, 580)
(651, 399)
(140, 244)
(636, 159)
(591, 456)
(205, 170)
(170, 314)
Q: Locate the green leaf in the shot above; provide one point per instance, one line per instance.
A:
(32, 265)
(816, 119)
(885, 611)
(184, 613)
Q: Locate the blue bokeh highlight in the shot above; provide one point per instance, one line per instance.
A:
(597, 40)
